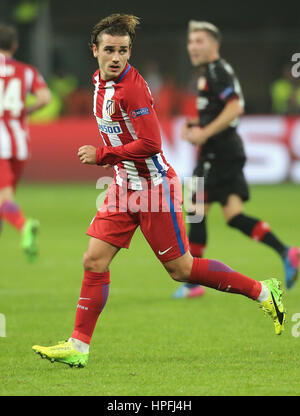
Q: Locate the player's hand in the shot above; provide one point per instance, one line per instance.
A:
(196, 135)
(87, 154)
(184, 130)
(193, 122)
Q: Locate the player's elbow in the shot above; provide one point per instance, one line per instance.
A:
(43, 97)
(241, 110)
(235, 108)
(153, 147)
(155, 150)
(47, 97)
(238, 108)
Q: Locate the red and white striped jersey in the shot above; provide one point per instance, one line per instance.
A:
(17, 79)
(130, 130)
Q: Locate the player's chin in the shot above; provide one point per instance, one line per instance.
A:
(197, 61)
(115, 72)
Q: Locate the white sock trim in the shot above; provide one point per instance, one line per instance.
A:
(80, 346)
(264, 294)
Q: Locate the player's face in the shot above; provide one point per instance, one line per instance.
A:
(112, 54)
(202, 48)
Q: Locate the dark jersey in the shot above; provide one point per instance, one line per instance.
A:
(217, 85)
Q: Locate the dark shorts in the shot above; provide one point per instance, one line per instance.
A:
(222, 178)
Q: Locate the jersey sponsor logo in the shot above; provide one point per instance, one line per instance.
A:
(110, 107)
(109, 127)
(140, 112)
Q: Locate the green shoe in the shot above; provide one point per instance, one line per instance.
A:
(63, 352)
(29, 244)
(273, 306)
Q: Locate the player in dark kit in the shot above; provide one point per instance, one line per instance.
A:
(221, 157)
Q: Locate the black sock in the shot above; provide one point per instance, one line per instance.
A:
(258, 230)
(271, 240)
(198, 233)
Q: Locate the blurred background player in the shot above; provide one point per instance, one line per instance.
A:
(221, 158)
(17, 79)
(129, 128)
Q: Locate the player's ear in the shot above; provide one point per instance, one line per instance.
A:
(95, 50)
(129, 53)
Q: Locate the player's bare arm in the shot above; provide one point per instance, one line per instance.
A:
(43, 97)
(198, 135)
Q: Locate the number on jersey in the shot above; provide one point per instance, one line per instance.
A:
(11, 97)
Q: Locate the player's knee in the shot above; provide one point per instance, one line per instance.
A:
(94, 264)
(6, 194)
(180, 271)
(179, 276)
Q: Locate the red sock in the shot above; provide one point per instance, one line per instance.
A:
(260, 230)
(93, 297)
(196, 249)
(11, 213)
(217, 275)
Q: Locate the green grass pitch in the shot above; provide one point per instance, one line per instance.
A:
(145, 343)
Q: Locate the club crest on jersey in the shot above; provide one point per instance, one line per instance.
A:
(110, 107)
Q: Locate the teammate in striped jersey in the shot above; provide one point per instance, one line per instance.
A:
(17, 79)
(130, 132)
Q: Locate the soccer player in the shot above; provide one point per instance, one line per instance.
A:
(17, 79)
(129, 129)
(221, 157)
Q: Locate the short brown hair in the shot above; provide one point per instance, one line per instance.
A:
(8, 37)
(116, 25)
(207, 27)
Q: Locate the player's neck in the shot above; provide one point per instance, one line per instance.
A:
(214, 57)
(6, 54)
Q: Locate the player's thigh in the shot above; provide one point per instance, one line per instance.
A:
(6, 179)
(180, 269)
(233, 207)
(163, 225)
(17, 167)
(99, 255)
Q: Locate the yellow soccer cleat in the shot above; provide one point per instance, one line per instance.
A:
(63, 352)
(273, 306)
